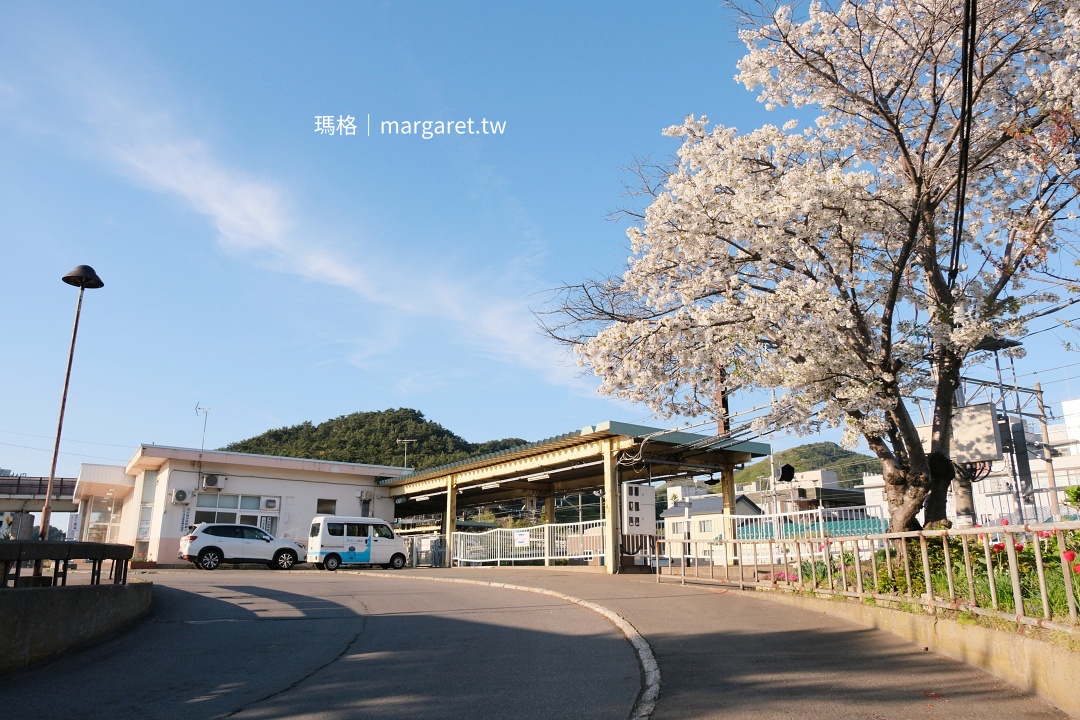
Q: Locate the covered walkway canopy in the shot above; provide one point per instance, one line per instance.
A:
(602, 456)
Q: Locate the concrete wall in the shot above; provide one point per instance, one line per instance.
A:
(1050, 671)
(37, 623)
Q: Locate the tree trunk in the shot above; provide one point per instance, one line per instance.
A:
(905, 500)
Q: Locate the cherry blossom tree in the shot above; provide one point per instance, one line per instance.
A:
(826, 261)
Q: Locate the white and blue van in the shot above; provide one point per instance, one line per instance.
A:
(335, 541)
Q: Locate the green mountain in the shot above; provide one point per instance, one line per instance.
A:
(849, 466)
(372, 437)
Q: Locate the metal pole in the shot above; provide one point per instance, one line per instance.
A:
(46, 511)
(1048, 456)
(1013, 470)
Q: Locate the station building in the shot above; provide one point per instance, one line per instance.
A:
(153, 500)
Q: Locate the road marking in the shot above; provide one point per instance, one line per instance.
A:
(650, 670)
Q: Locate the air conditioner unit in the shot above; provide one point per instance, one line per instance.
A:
(213, 483)
(180, 497)
(269, 503)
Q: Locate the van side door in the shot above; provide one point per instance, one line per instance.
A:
(357, 544)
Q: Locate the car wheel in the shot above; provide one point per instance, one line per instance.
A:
(284, 560)
(397, 562)
(332, 562)
(209, 559)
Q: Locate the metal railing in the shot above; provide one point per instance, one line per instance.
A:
(564, 541)
(36, 486)
(425, 550)
(15, 554)
(1027, 574)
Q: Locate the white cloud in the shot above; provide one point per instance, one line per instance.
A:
(256, 221)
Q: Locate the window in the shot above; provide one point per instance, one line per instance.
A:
(254, 534)
(383, 531)
(225, 531)
(325, 507)
(315, 529)
(335, 529)
(356, 530)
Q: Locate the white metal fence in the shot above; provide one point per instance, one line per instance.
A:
(565, 541)
(1026, 574)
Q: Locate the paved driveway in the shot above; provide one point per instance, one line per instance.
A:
(263, 644)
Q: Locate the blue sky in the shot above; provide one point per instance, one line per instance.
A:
(277, 275)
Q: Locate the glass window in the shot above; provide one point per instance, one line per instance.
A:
(356, 530)
(249, 502)
(149, 486)
(228, 501)
(206, 500)
(254, 534)
(249, 519)
(382, 531)
(202, 516)
(326, 507)
(335, 529)
(226, 517)
(316, 528)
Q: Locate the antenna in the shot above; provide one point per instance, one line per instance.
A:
(205, 412)
(406, 444)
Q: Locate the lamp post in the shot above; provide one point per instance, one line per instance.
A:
(82, 277)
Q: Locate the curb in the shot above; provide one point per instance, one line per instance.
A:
(650, 671)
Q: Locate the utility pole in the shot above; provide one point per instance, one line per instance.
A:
(1048, 456)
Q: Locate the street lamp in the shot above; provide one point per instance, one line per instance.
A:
(82, 277)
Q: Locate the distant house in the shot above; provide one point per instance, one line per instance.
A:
(704, 515)
(807, 491)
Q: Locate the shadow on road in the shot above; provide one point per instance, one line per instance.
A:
(250, 652)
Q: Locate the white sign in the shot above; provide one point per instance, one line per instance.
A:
(73, 527)
(521, 538)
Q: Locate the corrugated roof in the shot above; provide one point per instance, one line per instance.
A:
(589, 433)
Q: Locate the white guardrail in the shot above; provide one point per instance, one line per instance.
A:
(562, 541)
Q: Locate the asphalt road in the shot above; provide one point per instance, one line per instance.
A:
(315, 645)
(307, 644)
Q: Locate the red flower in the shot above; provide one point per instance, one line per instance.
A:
(1069, 556)
(1004, 521)
(1076, 568)
(1019, 547)
(997, 547)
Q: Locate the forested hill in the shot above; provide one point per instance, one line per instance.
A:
(849, 466)
(371, 437)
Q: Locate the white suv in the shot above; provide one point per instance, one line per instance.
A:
(210, 544)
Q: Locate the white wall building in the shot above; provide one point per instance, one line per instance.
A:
(705, 516)
(162, 491)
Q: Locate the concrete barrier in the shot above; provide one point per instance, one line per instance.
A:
(37, 623)
(1045, 669)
